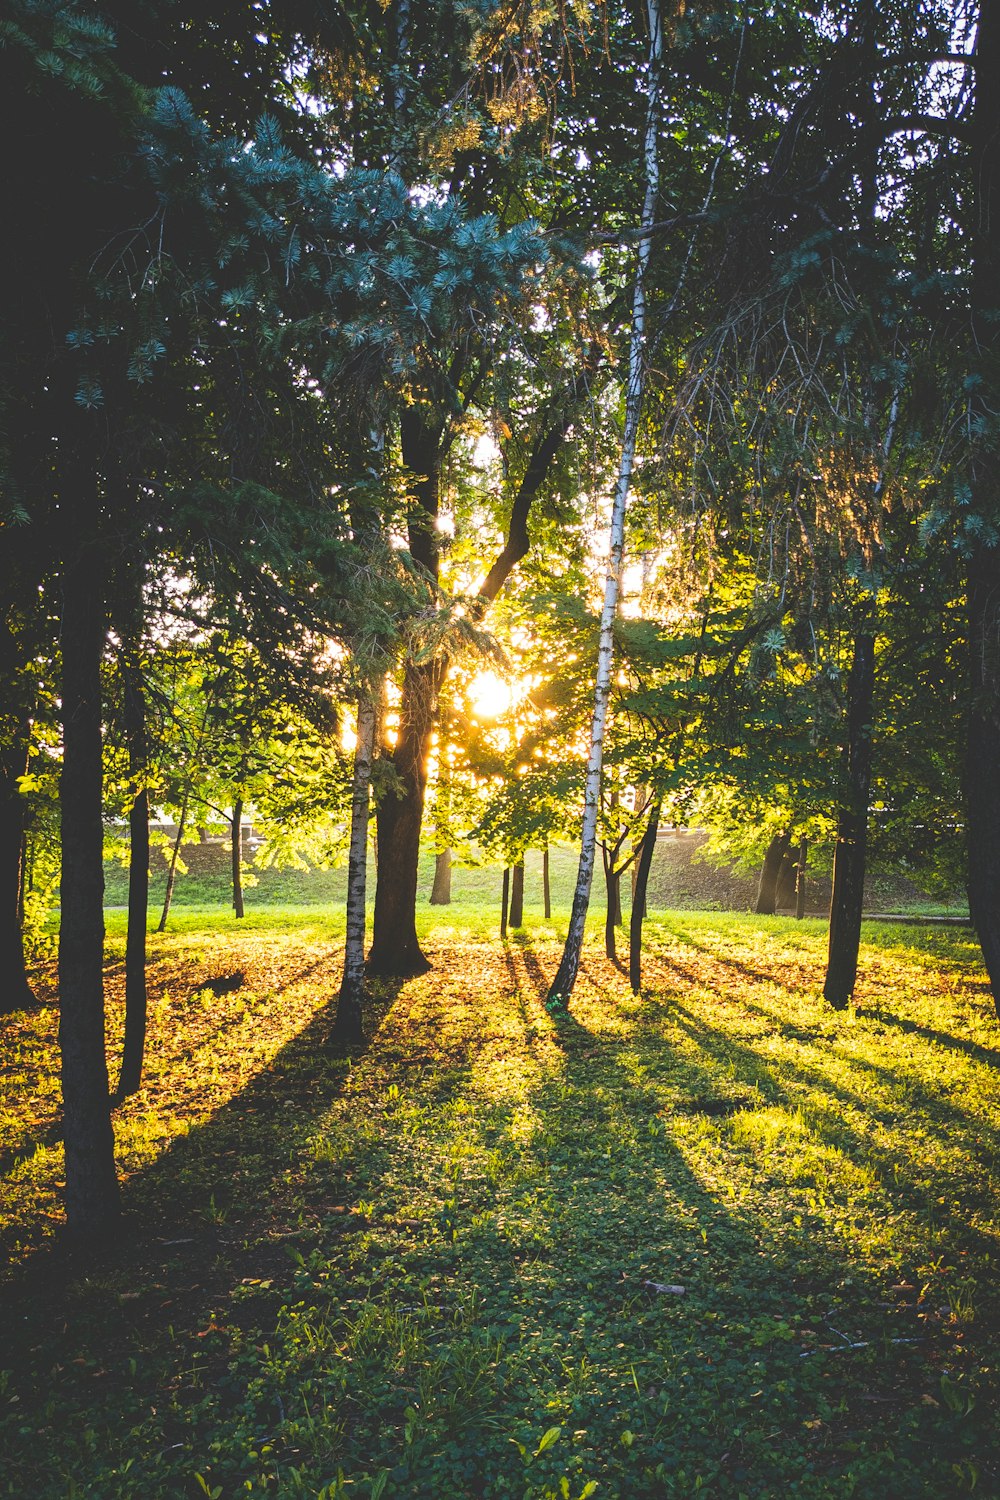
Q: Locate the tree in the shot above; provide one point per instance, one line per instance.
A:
(562, 985)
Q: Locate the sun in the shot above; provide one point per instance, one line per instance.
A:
(488, 696)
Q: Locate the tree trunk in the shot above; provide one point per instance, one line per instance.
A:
(504, 899)
(643, 865)
(565, 978)
(15, 990)
(800, 879)
(395, 949)
(236, 824)
(613, 913)
(134, 1046)
(852, 829)
(441, 889)
(982, 759)
(517, 895)
(423, 444)
(982, 755)
(546, 886)
(347, 1028)
(767, 886)
(91, 1181)
(174, 856)
(635, 878)
(784, 895)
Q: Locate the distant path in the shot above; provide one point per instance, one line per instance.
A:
(916, 921)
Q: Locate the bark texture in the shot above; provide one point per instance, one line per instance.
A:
(613, 910)
(784, 896)
(770, 870)
(175, 854)
(504, 903)
(236, 825)
(800, 879)
(643, 865)
(395, 949)
(852, 829)
(562, 985)
(517, 895)
(441, 889)
(982, 756)
(91, 1181)
(15, 988)
(134, 1048)
(347, 1028)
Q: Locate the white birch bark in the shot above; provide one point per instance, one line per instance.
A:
(562, 985)
(347, 1027)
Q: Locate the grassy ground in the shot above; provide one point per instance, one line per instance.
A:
(679, 879)
(443, 1268)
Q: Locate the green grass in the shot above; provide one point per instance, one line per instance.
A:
(424, 1271)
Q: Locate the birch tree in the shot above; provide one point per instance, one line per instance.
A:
(562, 985)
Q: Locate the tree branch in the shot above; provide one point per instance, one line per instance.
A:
(518, 540)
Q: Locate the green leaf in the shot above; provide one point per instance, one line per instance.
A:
(550, 1437)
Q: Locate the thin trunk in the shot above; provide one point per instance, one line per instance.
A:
(643, 866)
(347, 1028)
(852, 829)
(635, 879)
(15, 990)
(517, 895)
(23, 884)
(767, 886)
(800, 879)
(236, 824)
(565, 978)
(134, 1046)
(982, 760)
(504, 899)
(982, 756)
(613, 911)
(441, 889)
(546, 885)
(91, 1183)
(174, 856)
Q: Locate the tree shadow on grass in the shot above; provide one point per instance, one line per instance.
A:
(988, 1055)
(783, 1083)
(745, 971)
(209, 1186)
(566, 1252)
(947, 1116)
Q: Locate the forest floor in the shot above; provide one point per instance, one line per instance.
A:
(717, 1241)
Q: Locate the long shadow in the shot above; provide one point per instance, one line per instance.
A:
(536, 974)
(950, 1115)
(14, 1157)
(270, 1118)
(772, 1080)
(620, 1190)
(756, 976)
(988, 1055)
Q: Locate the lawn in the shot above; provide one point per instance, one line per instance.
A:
(718, 1241)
